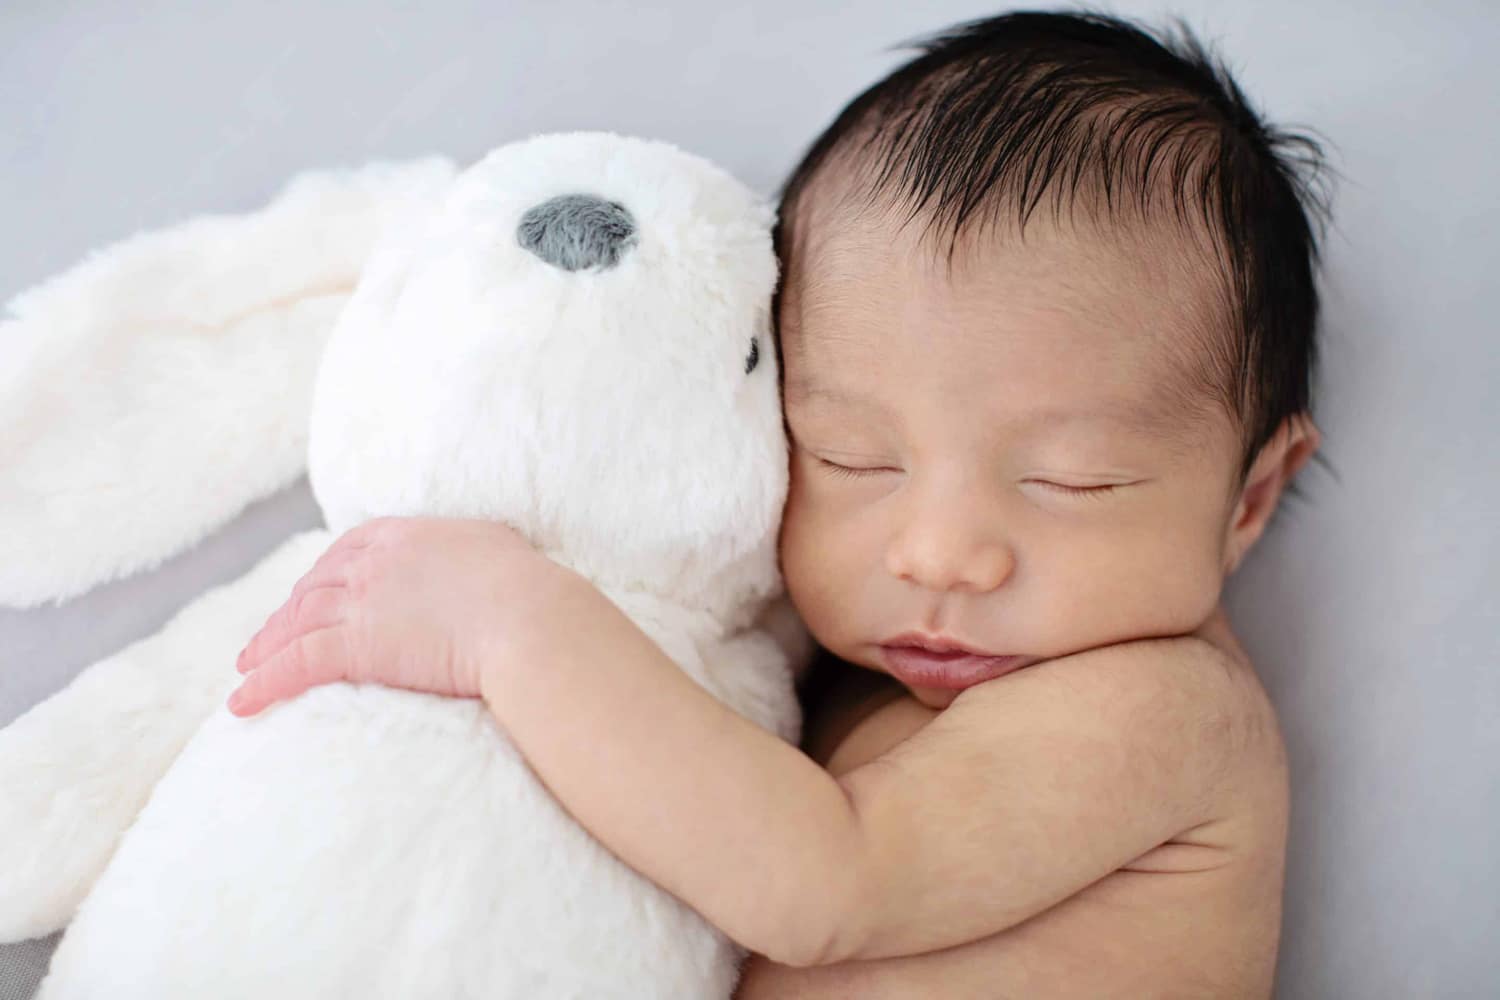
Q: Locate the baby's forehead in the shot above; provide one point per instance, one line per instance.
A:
(1122, 305)
(1142, 282)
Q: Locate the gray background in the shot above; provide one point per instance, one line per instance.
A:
(1371, 608)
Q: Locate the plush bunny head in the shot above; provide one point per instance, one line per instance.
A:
(572, 338)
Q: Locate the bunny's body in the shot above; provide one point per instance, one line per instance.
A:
(572, 338)
(370, 842)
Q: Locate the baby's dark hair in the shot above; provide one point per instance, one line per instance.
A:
(997, 113)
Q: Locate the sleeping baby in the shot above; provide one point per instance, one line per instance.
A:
(1046, 331)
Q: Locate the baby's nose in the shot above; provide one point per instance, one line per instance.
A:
(575, 231)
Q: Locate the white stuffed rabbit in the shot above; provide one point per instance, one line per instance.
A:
(571, 336)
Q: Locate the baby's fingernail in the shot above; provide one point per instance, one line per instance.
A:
(237, 700)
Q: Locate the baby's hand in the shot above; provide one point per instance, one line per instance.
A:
(404, 602)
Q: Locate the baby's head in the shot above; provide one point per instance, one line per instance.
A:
(1046, 327)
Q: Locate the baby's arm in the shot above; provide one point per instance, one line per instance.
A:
(1029, 789)
(1022, 793)
(1097, 943)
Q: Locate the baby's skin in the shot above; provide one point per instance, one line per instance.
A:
(1088, 798)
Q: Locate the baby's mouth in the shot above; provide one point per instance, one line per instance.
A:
(920, 661)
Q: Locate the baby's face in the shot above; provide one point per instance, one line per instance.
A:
(937, 421)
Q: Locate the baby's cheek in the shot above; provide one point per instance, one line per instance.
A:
(816, 564)
(1162, 587)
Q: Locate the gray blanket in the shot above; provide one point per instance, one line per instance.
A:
(22, 965)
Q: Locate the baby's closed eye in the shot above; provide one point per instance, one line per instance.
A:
(1101, 490)
(856, 468)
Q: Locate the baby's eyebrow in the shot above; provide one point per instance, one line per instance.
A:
(1148, 420)
(806, 390)
(1166, 416)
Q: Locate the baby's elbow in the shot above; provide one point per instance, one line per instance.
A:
(825, 902)
(792, 955)
(825, 925)
(805, 949)
(799, 924)
(805, 936)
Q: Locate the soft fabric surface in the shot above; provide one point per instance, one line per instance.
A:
(156, 388)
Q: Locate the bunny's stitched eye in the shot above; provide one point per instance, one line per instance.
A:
(753, 358)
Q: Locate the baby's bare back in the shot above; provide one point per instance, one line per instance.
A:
(1196, 916)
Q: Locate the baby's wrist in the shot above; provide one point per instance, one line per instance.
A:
(528, 628)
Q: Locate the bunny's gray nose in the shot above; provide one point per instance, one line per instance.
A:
(575, 231)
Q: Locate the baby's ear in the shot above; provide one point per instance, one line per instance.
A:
(1279, 460)
(152, 391)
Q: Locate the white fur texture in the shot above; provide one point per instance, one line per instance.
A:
(168, 353)
(77, 768)
(371, 842)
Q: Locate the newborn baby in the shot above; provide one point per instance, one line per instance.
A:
(1046, 324)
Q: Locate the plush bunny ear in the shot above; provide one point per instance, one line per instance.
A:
(152, 391)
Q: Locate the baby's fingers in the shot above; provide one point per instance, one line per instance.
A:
(302, 612)
(312, 659)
